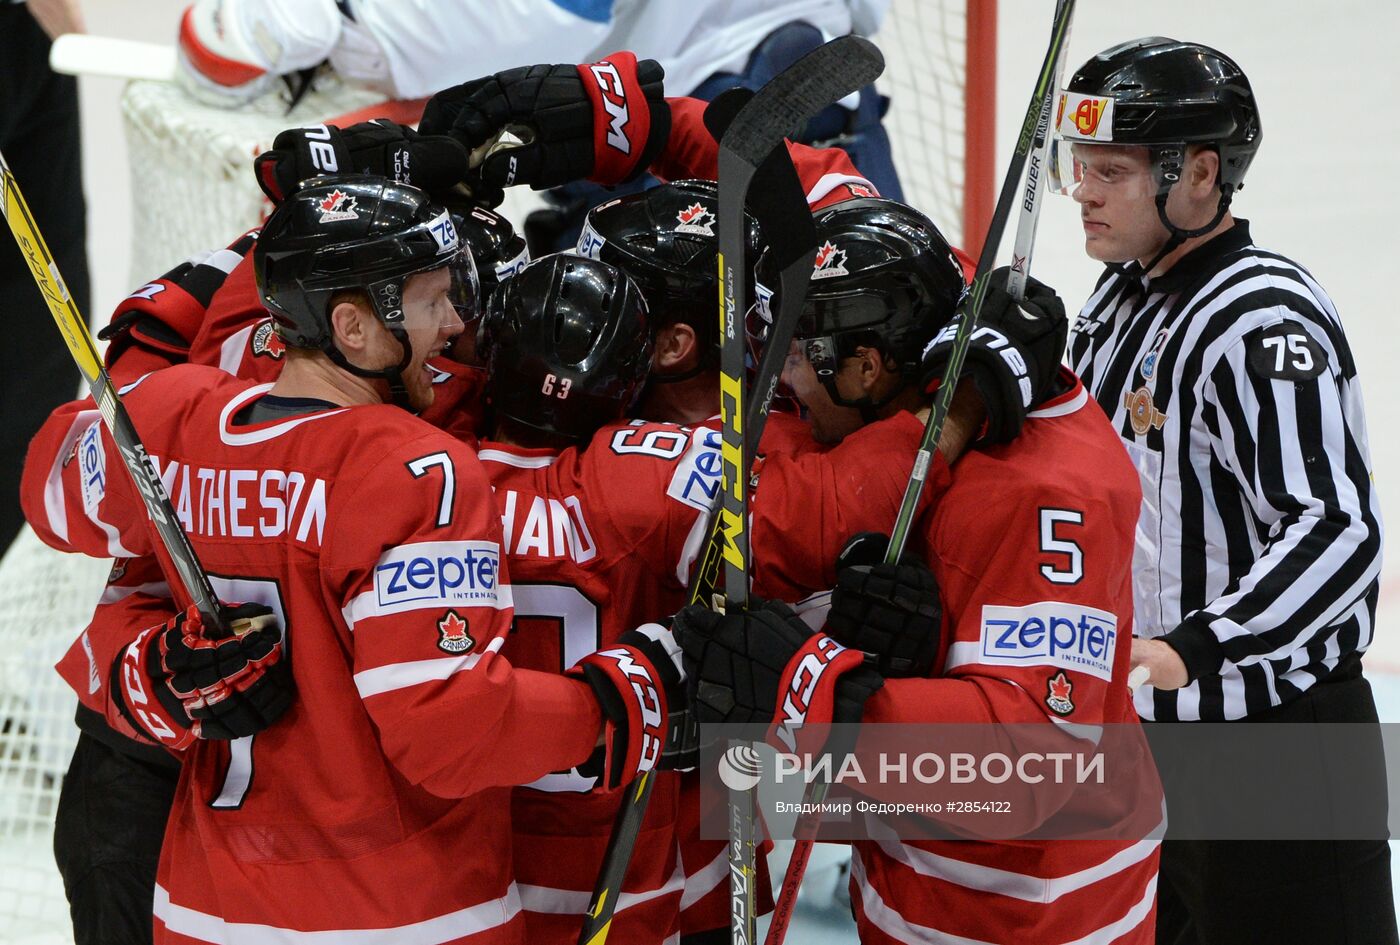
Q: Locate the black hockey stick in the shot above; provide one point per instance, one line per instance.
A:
(825, 75)
(972, 305)
(781, 202)
(73, 327)
(1038, 117)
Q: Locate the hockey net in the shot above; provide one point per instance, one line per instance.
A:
(192, 189)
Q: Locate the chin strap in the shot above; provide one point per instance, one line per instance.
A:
(398, 391)
(1179, 235)
(869, 409)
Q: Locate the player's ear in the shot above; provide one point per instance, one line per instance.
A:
(872, 368)
(349, 319)
(676, 348)
(1203, 170)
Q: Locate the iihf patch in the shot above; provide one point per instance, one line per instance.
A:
(455, 638)
(267, 343)
(1285, 352)
(1057, 696)
(1148, 367)
(338, 206)
(696, 220)
(831, 261)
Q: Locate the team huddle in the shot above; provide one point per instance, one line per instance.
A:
(454, 498)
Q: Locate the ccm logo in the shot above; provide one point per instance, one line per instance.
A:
(614, 103)
(798, 699)
(648, 702)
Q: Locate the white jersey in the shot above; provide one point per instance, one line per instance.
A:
(428, 46)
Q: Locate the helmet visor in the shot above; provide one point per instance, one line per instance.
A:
(443, 294)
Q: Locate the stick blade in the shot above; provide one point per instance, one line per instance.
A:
(81, 54)
(781, 108)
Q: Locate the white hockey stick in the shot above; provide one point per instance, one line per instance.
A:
(80, 54)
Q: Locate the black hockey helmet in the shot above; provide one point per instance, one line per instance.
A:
(355, 232)
(665, 238)
(497, 249)
(884, 277)
(1166, 95)
(567, 344)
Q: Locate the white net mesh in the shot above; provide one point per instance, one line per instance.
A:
(191, 166)
(192, 189)
(926, 60)
(47, 599)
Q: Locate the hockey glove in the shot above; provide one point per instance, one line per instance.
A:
(766, 665)
(890, 611)
(429, 162)
(1013, 356)
(604, 121)
(203, 688)
(637, 682)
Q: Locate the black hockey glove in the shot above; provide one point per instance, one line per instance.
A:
(639, 684)
(890, 611)
(204, 688)
(766, 665)
(604, 121)
(1014, 354)
(428, 162)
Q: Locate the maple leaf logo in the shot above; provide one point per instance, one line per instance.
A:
(695, 219)
(267, 342)
(830, 261)
(455, 638)
(332, 202)
(337, 205)
(1058, 696)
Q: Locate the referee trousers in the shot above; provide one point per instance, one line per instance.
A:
(1281, 892)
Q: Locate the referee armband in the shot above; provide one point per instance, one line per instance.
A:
(1285, 352)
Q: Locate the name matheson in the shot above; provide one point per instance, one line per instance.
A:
(245, 503)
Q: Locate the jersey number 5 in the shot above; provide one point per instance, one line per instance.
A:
(1052, 523)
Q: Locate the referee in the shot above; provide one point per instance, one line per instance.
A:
(1226, 372)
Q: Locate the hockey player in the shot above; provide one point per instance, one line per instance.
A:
(350, 814)
(1225, 370)
(232, 50)
(1038, 518)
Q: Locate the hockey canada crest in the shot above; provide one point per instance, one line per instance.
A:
(338, 206)
(831, 261)
(455, 638)
(695, 219)
(1057, 696)
(267, 343)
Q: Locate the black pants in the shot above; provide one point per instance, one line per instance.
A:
(107, 836)
(39, 136)
(1309, 892)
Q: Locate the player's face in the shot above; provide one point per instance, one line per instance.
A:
(831, 423)
(431, 321)
(1117, 197)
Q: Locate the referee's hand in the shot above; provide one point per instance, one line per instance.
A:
(1164, 667)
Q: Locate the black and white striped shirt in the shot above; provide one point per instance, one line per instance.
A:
(1259, 546)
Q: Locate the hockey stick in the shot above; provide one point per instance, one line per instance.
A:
(1034, 190)
(972, 305)
(73, 327)
(823, 76)
(782, 202)
(1037, 119)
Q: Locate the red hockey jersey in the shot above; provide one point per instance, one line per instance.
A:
(1042, 527)
(599, 540)
(378, 805)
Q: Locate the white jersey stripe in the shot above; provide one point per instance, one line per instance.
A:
(395, 676)
(444, 928)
